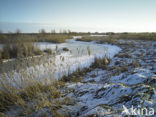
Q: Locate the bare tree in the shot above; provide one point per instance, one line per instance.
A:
(60, 31)
(9, 32)
(69, 31)
(42, 31)
(64, 31)
(1, 31)
(53, 31)
(18, 31)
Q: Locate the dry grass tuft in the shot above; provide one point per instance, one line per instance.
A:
(48, 51)
(20, 50)
(38, 93)
(101, 63)
(100, 39)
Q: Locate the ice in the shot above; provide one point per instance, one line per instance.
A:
(103, 92)
(65, 63)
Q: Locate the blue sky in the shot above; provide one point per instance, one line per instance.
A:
(78, 15)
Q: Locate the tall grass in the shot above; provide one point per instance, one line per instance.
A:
(27, 93)
(137, 36)
(30, 94)
(113, 38)
(20, 49)
(99, 39)
(34, 95)
(38, 37)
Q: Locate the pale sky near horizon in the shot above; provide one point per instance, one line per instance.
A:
(78, 15)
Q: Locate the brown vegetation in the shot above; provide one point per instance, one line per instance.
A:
(41, 37)
(113, 38)
(48, 51)
(99, 39)
(20, 50)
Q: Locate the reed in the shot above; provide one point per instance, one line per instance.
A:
(99, 39)
(48, 50)
(112, 38)
(137, 36)
(38, 37)
(30, 93)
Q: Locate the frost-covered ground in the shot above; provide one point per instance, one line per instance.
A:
(130, 79)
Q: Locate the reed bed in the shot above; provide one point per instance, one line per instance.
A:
(99, 39)
(30, 93)
(113, 38)
(38, 37)
(137, 36)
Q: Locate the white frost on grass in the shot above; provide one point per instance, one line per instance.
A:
(92, 95)
(117, 91)
(139, 76)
